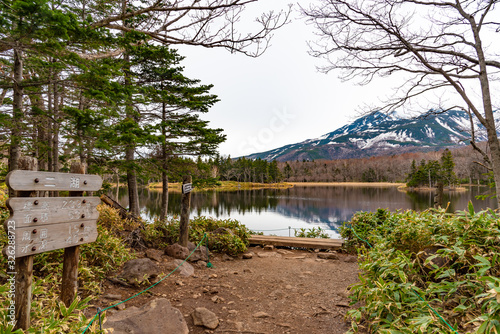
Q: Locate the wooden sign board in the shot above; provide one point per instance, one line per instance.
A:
(38, 211)
(35, 240)
(187, 187)
(23, 180)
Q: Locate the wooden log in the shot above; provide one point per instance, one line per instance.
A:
(124, 214)
(69, 286)
(24, 265)
(185, 206)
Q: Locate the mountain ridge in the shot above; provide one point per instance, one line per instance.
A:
(379, 134)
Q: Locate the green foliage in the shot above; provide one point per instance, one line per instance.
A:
(459, 280)
(431, 172)
(311, 233)
(224, 235)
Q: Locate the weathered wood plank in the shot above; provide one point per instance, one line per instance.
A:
(35, 240)
(296, 242)
(38, 211)
(21, 180)
(69, 283)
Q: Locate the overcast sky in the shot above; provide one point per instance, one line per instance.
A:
(278, 98)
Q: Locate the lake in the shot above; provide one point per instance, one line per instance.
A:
(280, 211)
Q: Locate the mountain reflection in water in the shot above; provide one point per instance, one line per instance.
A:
(301, 207)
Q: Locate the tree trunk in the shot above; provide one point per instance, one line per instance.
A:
(17, 112)
(164, 195)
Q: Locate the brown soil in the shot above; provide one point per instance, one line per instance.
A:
(299, 292)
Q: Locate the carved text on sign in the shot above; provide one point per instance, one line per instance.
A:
(50, 237)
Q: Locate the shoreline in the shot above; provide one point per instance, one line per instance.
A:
(349, 184)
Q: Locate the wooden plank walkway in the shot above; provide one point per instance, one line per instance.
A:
(319, 243)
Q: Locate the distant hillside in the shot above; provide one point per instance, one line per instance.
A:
(380, 134)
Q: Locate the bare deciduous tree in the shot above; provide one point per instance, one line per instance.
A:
(431, 46)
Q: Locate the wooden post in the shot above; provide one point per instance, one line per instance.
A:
(185, 206)
(69, 287)
(24, 265)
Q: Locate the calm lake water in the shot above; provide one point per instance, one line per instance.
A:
(275, 210)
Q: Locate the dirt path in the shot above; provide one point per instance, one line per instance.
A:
(297, 292)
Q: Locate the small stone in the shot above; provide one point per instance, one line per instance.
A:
(203, 317)
(307, 294)
(112, 296)
(226, 257)
(230, 303)
(261, 315)
(342, 304)
(201, 264)
(350, 259)
(284, 251)
(308, 272)
(284, 325)
(288, 287)
(248, 271)
(233, 312)
(328, 256)
(154, 254)
(247, 256)
(213, 276)
(268, 247)
(301, 257)
(185, 269)
(179, 283)
(316, 250)
(120, 307)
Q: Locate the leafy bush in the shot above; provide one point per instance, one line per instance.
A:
(224, 235)
(311, 233)
(400, 281)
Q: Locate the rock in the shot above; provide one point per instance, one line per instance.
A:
(213, 276)
(203, 317)
(112, 296)
(120, 307)
(137, 271)
(156, 317)
(222, 230)
(300, 257)
(269, 254)
(350, 259)
(201, 254)
(261, 315)
(226, 257)
(288, 287)
(186, 269)
(328, 256)
(154, 254)
(201, 264)
(247, 256)
(284, 251)
(268, 247)
(177, 251)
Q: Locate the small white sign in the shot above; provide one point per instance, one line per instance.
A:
(187, 187)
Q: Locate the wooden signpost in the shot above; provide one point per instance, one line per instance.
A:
(42, 224)
(185, 206)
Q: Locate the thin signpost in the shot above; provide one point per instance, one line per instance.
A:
(185, 205)
(42, 224)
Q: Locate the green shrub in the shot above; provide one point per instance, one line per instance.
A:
(311, 233)
(399, 283)
(232, 239)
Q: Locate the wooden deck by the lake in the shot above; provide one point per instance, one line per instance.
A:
(318, 243)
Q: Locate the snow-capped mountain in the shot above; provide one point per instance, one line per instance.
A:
(381, 134)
